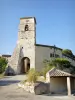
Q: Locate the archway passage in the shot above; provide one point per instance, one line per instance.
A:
(25, 65)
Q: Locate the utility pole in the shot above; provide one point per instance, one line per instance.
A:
(54, 51)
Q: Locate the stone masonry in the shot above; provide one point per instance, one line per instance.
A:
(25, 46)
(27, 54)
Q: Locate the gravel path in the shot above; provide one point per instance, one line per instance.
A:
(10, 91)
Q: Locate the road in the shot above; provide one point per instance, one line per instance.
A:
(10, 91)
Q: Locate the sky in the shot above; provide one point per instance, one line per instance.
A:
(55, 22)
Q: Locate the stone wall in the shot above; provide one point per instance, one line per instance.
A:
(26, 47)
(25, 44)
(27, 39)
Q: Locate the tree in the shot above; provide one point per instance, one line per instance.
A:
(61, 63)
(68, 53)
(3, 63)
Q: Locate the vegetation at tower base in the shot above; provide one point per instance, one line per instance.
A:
(68, 53)
(3, 63)
(32, 75)
(59, 63)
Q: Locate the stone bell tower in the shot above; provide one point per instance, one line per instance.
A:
(27, 40)
(27, 30)
(23, 57)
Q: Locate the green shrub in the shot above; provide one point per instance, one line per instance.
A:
(40, 73)
(1, 75)
(3, 63)
(61, 63)
(32, 75)
(67, 51)
(46, 69)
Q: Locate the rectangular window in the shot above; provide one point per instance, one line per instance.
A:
(56, 55)
(53, 55)
(50, 54)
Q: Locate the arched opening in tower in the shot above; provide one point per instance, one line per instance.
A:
(25, 65)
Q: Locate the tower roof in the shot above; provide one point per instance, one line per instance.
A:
(29, 18)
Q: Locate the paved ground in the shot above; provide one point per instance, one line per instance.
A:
(10, 91)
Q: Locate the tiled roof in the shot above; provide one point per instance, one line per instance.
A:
(6, 55)
(56, 72)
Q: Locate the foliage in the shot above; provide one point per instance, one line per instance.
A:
(47, 66)
(47, 63)
(40, 73)
(41, 78)
(1, 75)
(3, 63)
(32, 75)
(46, 69)
(68, 52)
(61, 63)
(72, 69)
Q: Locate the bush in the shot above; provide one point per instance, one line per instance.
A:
(46, 69)
(61, 63)
(32, 75)
(67, 51)
(40, 73)
(3, 63)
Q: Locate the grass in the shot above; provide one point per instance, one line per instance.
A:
(22, 82)
(1, 76)
(32, 75)
(41, 78)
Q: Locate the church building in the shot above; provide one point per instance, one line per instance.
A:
(27, 54)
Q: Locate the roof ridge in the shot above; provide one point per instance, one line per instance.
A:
(58, 72)
(63, 72)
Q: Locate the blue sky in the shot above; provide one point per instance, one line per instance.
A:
(55, 22)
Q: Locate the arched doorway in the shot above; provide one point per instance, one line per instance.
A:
(25, 65)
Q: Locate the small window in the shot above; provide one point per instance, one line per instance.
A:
(53, 55)
(56, 55)
(50, 54)
(26, 28)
